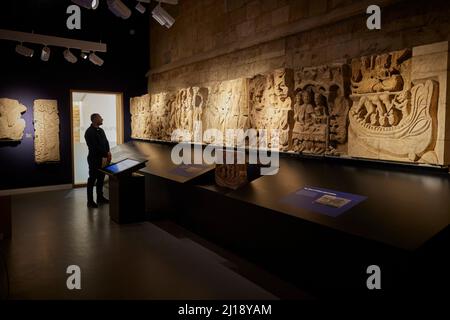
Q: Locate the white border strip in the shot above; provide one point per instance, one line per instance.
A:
(11, 192)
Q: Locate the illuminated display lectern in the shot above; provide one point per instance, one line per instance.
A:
(126, 191)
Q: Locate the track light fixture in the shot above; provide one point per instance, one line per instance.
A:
(69, 56)
(139, 7)
(96, 59)
(24, 51)
(119, 9)
(163, 18)
(88, 4)
(45, 53)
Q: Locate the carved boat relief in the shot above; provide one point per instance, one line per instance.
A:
(392, 118)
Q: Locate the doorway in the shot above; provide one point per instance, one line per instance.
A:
(83, 104)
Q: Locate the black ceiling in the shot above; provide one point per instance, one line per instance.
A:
(126, 39)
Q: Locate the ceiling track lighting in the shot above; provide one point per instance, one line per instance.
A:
(96, 59)
(45, 54)
(88, 4)
(85, 47)
(69, 56)
(119, 9)
(163, 18)
(24, 51)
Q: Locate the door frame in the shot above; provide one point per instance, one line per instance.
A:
(119, 122)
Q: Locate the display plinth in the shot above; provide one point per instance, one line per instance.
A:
(126, 191)
(127, 198)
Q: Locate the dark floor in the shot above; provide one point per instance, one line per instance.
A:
(53, 230)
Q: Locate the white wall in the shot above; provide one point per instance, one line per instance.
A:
(105, 105)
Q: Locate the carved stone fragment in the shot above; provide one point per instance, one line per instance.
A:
(12, 125)
(227, 107)
(46, 131)
(231, 175)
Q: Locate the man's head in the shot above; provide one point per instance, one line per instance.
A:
(96, 119)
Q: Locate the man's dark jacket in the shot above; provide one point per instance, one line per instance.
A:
(97, 143)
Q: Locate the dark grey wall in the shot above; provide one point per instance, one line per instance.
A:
(25, 79)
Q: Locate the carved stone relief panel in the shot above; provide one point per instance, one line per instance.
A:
(160, 112)
(12, 125)
(46, 131)
(140, 117)
(392, 117)
(387, 106)
(271, 104)
(227, 107)
(185, 109)
(320, 109)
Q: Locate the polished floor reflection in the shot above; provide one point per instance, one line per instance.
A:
(53, 230)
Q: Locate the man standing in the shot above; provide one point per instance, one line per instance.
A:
(99, 156)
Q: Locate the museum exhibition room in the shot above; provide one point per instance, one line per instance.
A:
(224, 150)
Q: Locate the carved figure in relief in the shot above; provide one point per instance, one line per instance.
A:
(324, 89)
(231, 176)
(338, 108)
(280, 96)
(159, 115)
(310, 127)
(271, 106)
(379, 73)
(12, 125)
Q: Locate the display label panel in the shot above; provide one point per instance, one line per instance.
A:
(324, 201)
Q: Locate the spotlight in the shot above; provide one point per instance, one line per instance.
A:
(24, 51)
(88, 4)
(95, 4)
(69, 56)
(45, 53)
(119, 9)
(95, 59)
(84, 55)
(163, 18)
(140, 8)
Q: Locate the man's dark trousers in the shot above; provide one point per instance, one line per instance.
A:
(95, 178)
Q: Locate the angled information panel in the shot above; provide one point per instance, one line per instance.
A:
(124, 166)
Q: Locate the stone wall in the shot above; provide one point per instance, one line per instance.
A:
(216, 41)
(220, 34)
